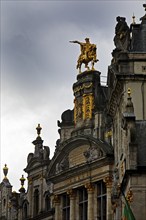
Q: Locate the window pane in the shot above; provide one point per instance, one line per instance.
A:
(66, 207)
(83, 201)
(101, 201)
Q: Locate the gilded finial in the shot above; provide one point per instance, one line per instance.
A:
(22, 180)
(38, 128)
(129, 92)
(5, 171)
(133, 17)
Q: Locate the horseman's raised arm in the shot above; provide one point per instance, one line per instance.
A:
(75, 41)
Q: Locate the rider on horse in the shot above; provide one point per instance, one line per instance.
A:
(88, 53)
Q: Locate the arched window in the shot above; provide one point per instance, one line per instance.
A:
(36, 201)
(47, 203)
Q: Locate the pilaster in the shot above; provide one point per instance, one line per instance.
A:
(90, 190)
(72, 197)
(108, 181)
(57, 207)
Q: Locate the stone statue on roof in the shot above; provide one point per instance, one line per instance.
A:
(122, 34)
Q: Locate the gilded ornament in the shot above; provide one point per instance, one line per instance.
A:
(88, 54)
(87, 106)
(84, 86)
(89, 187)
(78, 110)
(108, 181)
(129, 196)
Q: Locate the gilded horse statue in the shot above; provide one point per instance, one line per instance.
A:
(88, 54)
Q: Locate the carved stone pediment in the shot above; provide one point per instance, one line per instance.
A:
(93, 153)
(62, 165)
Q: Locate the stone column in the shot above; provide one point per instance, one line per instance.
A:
(108, 182)
(71, 194)
(57, 206)
(90, 190)
(30, 196)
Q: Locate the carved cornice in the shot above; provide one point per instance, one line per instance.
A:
(84, 86)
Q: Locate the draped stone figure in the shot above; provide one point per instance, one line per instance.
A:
(122, 34)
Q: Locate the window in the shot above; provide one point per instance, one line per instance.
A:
(47, 203)
(66, 207)
(83, 204)
(25, 211)
(101, 201)
(36, 201)
(4, 203)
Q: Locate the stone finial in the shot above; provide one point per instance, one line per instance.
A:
(133, 19)
(144, 17)
(38, 128)
(5, 171)
(38, 139)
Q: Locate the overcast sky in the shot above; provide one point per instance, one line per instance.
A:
(38, 66)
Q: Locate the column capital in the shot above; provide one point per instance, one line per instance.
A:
(71, 193)
(56, 199)
(89, 187)
(108, 180)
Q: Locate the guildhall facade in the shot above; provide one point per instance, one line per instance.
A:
(100, 157)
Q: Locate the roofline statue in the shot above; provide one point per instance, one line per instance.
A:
(88, 54)
(122, 34)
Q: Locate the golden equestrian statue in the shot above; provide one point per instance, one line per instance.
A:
(88, 53)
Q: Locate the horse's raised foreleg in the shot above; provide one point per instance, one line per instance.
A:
(93, 65)
(79, 66)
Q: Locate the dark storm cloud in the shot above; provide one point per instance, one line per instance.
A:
(35, 39)
(36, 53)
(39, 64)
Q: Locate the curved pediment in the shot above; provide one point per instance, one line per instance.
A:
(76, 152)
(33, 163)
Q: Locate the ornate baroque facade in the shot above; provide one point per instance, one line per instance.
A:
(101, 153)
